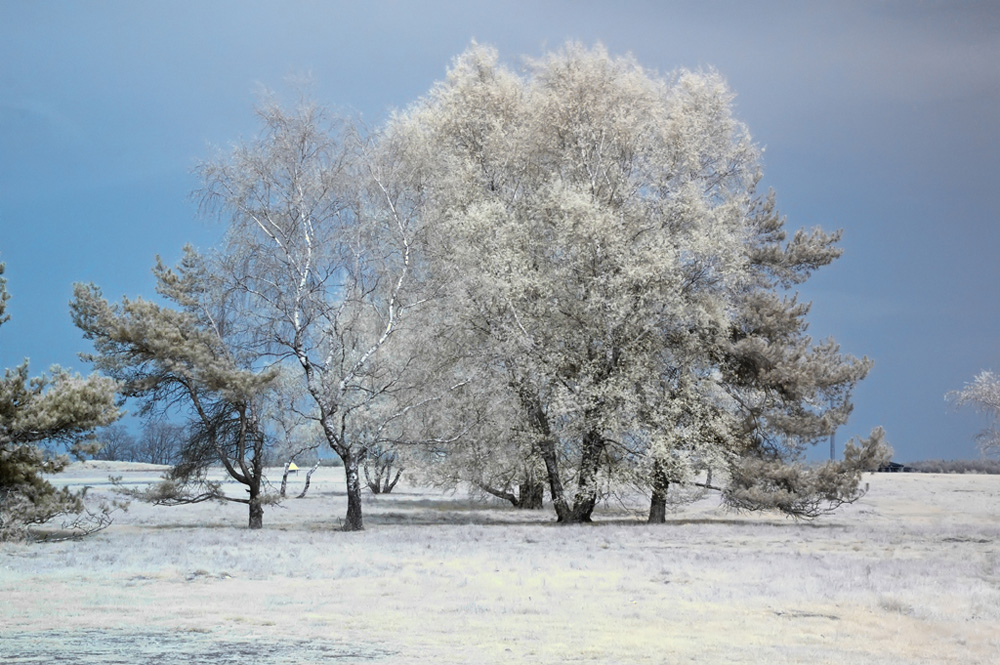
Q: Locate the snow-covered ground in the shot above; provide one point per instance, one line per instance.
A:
(910, 574)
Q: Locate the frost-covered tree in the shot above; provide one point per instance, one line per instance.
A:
(983, 395)
(297, 437)
(323, 246)
(58, 408)
(190, 358)
(607, 251)
(788, 392)
(491, 451)
(383, 468)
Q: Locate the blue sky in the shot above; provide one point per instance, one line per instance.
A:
(877, 118)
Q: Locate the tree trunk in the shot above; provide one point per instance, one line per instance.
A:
(530, 494)
(583, 509)
(389, 486)
(586, 493)
(256, 509)
(500, 494)
(257, 475)
(657, 508)
(374, 486)
(382, 481)
(658, 501)
(309, 476)
(284, 478)
(354, 521)
(547, 449)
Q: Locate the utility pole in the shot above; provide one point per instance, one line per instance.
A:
(833, 435)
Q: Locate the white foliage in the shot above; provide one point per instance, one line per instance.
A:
(599, 230)
(983, 394)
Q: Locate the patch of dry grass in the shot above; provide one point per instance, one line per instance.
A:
(909, 575)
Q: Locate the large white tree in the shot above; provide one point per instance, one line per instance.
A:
(620, 276)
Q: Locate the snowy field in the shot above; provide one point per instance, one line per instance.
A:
(911, 574)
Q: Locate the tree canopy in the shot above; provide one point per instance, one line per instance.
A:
(191, 358)
(36, 415)
(983, 395)
(617, 271)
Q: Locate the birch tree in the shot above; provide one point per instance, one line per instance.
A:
(618, 270)
(323, 244)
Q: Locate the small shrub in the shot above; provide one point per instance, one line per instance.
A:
(983, 466)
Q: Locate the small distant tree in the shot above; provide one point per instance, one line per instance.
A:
(117, 445)
(379, 465)
(983, 395)
(161, 443)
(60, 408)
(982, 465)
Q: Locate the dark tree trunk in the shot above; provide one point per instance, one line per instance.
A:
(658, 508)
(586, 493)
(583, 511)
(256, 515)
(256, 508)
(548, 452)
(500, 494)
(256, 477)
(530, 494)
(354, 521)
(658, 500)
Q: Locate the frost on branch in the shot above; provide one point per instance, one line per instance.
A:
(769, 483)
(60, 408)
(983, 394)
(617, 279)
(188, 360)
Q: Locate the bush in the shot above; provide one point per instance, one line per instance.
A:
(985, 466)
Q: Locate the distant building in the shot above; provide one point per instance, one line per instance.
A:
(893, 467)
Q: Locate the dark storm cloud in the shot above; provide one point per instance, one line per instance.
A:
(878, 118)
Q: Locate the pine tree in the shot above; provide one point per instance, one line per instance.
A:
(37, 413)
(191, 359)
